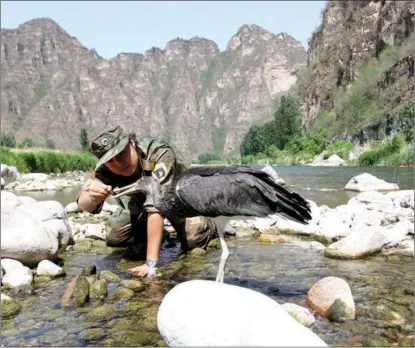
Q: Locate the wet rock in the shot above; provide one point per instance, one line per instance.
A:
(98, 290)
(104, 313)
(369, 182)
(301, 314)
(48, 268)
(109, 276)
(83, 246)
(92, 334)
(9, 307)
(332, 298)
(132, 284)
(198, 252)
(90, 270)
(182, 323)
(270, 239)
(76, 292)
(42, 279)
(120, 293)
(134, 337)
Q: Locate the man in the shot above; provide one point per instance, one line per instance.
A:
(123, 159)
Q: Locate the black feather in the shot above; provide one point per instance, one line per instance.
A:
(231, 191)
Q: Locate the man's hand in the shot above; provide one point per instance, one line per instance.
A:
(142, 271)
(93, 196)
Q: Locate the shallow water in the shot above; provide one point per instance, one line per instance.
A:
(383, 288)
(285, 272)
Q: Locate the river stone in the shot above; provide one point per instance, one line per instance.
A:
(98, 290)
(369, 182)
(9, 307)
(237, 316)
(301, 314)
(109, 276)
(9, 200)
(132, 284)
(332, 298)
(48, 268)
(120, 293)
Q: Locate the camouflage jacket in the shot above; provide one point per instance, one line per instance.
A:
(156, 158)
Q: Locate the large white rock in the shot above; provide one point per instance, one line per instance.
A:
(26, 239)
(230, 316)
(9, 173)
(369, 182)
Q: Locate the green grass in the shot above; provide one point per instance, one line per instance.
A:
(47, 161)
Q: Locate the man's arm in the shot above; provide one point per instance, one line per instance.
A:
(92, 196)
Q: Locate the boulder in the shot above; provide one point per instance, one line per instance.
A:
(231, 316)
(369, 182)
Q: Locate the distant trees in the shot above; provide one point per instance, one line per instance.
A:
(7, 139)
(285, 126)
(84, 140)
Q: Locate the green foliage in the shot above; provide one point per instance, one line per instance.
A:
(26, 143)
(374, 157)
(341, 148)
(406, 122)
(84, 140)
(253, 142)
(311, 143)
(47, 161)
(287, 121)
(49, 144)
(7, 139)
(207, 157)
(219, 138)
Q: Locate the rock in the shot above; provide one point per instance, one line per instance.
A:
(26, 200)
(368, 240)
(95, 231)
(109, 276)
(332, 298)
(40, 177)
(237, 316)
(47, 268)
(333, 226)
(26, 239)
(271, 172)
(301, 314)
(333, 161)
(9, 308)
(16, 274)
(402, 198)
(9, 200)
(9, 174)
(72, 208)
(98, 290)
(405, 248)
(368, 182)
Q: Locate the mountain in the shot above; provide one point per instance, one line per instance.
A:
(190, 93)
(360, 67)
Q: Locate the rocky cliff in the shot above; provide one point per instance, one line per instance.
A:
(190, 93)
(366, 41)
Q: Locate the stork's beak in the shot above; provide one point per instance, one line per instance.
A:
(138, 186)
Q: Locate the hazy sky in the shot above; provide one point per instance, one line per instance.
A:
(112, 27)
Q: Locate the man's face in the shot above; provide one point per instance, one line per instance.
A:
(125, 163)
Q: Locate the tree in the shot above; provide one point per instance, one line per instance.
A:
(27, 143)
(253, 141)
(49, 144)
(84, 140)
(287, 121)
(7, 139)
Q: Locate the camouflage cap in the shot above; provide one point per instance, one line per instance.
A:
(109, 144)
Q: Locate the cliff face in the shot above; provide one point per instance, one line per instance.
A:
(353, 34)
(190, 93)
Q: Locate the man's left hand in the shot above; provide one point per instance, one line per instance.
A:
(142, 271)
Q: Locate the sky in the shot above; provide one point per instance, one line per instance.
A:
(112, 27)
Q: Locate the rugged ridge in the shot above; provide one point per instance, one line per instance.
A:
(352, 34)
(189, 93)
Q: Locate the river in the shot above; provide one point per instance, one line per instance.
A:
(382, 287)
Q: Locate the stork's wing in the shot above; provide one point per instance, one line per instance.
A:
(238, 190)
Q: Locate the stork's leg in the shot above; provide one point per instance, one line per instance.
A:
(223, 257)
